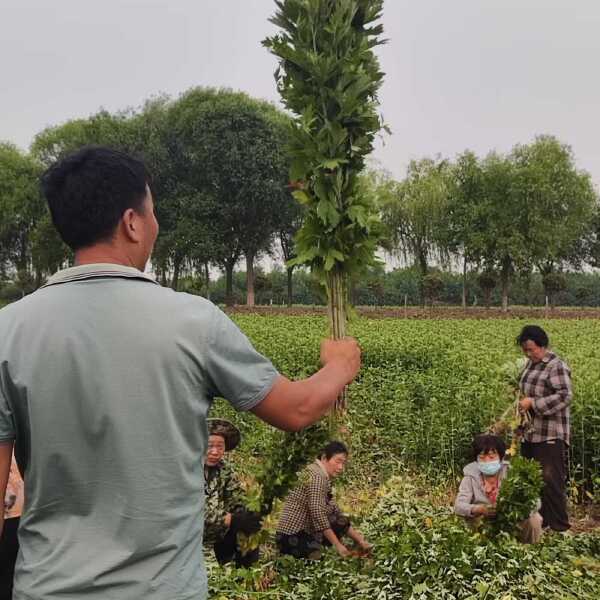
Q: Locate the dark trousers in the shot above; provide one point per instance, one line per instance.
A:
(306, 545)
(226, 550)
(9, 548)
(552, 457)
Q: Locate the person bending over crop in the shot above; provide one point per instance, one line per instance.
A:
(481, 484)
(224, 512)
(310, 517)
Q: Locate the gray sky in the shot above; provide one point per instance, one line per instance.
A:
(478, 74)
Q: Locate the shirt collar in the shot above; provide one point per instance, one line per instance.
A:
(320, 464)
(98, 270)
(548, 357)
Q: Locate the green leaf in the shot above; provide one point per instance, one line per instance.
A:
(333, 163)
(302, 197)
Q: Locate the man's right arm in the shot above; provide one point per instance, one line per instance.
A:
(293, 405)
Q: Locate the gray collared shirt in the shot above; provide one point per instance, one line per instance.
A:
(106, 379)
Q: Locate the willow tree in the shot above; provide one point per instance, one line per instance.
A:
(329, 76)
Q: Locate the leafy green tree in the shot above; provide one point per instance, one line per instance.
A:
(536, 210)
(21, 209)
(235, 151)
(487, 282)
(433, 286)
(291, 216)
(414, 211)
(48, 252)
(181, 209)
(557, 203)
(501, 244)
(591, 241)
(464, 225)
(103, 128)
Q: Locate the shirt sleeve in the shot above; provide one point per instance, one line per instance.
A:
(7, 424)
(464, 498)
(560, 382)
(317, 503)
(236, 371)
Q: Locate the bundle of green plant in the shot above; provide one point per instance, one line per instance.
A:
(285, 457)
(329, 77)
(518, 497)
(511, 371)
(512, 421)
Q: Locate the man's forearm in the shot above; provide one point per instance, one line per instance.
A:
(318, 393)
(293, 405)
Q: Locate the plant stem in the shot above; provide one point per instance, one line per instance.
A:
(337, 300)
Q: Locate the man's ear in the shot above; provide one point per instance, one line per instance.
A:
(131, 225)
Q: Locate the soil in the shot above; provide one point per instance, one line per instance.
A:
(585, 519)
(436, 312)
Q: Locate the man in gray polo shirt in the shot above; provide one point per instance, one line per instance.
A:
(106, 379)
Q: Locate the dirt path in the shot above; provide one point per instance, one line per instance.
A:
(441, 312)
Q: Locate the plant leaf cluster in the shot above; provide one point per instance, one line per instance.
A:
(422, 551)
(329, 77)
(518, 496)
(283, 461)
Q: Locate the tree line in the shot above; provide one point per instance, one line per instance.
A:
(219, 170)
(501, 216)
(220, 175)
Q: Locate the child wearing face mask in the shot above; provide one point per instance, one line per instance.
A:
(481, 483)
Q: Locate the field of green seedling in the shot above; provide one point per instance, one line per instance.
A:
(425, 388)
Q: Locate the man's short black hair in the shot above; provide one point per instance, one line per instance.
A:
(332, 448)
(88, 192)
(534, 333)
(486, 442)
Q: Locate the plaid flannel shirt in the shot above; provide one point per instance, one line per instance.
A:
(548, 383)
(309, 506)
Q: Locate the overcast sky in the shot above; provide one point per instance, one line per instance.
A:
(478, 74)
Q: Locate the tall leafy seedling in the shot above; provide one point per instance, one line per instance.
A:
(328, 77)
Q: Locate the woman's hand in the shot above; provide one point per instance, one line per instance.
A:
(484, 510)
(366, 546)
(525, 404)
(342, 550)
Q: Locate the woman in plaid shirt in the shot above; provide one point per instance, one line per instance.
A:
(547, 394)
(310, 517)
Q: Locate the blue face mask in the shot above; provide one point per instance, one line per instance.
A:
(489, 468)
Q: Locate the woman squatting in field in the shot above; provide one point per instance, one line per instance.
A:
(310, 517)
(224, 513)
(481, 484)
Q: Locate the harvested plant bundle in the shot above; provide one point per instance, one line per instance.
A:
(518, 496)
(329, 76)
